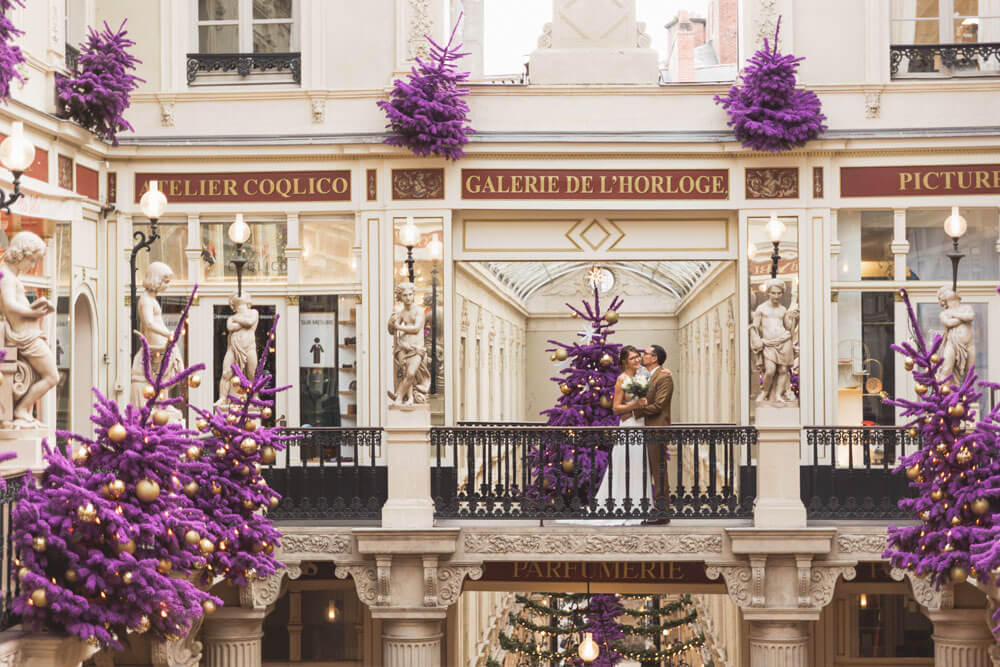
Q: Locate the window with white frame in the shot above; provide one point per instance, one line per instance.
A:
(950, 37)
(246, 26)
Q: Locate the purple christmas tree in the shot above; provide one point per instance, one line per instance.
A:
(10, 53)
(603, 611)
(231, 489)
(956, 471)
(768, 113)
(426, 113)
(97, 94)
(567, 466)
(107, 540)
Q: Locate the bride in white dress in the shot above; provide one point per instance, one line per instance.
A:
(621, 479)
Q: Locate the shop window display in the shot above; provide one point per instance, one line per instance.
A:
(326, 251)
(169, 249)
(265, 251)
(929, 245)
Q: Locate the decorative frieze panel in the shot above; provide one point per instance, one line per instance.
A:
(625, 544)
(418, 183)
(772, 183)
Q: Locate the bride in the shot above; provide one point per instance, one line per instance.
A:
(627, 463)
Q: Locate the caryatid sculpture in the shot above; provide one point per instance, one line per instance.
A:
(156, 333)
(412, 377)
(22, 328)
(774, 334)
(242, 348)
(958, 350)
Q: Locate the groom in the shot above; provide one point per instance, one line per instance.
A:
(656, 409)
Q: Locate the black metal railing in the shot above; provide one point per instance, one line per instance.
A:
(847, 471)
(72, 53)
(329, 473)
(8, 569)
(244, 63)
(930, 58)
(491, 472)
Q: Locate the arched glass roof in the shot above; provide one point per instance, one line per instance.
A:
(524, 278)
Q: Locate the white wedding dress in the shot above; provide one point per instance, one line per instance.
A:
(621, 479)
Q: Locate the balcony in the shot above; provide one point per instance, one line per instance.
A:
(969, 59)
(218, 65)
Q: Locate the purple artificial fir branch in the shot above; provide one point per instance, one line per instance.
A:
(10, 53)
(427, 113)
(766, 111)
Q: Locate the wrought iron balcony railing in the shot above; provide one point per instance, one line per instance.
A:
(8, 570)
(930, 58)
(329, 473)
(848, 474)
(244, 63)
(497, 472)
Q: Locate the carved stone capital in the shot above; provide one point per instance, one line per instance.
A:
(262, 593)
(450, 579)
(372, 589)
(184, 652)
(823, 582)
(924, 592)
(739, 582)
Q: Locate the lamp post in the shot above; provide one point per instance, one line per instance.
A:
(239, 233)
(775, 230)
(16, 154)
(955, 226)
(408, 236)
(436, 250)
(153, 204)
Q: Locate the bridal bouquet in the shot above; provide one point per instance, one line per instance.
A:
(637, 386)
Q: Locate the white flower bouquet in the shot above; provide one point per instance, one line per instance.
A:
(638, 386)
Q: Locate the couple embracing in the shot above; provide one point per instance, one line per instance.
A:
(642, 398)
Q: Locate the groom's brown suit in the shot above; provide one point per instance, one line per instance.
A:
(657, 413)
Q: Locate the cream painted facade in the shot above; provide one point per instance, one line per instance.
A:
(781, 588)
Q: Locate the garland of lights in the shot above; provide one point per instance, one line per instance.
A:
(652, 630)
(675, 648)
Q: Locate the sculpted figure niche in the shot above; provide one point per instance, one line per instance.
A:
(958, 351)
(22, 329)
(412, 377)
(156, 333)
(774, 333)
(242, 349)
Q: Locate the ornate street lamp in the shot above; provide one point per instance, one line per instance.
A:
(436, 250)
(955, 226)
(239, 233)
(16, 154)
(153, 204)
(775, 230)
(408, 236)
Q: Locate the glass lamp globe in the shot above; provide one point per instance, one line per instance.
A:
(955, 225)
(154, 202)
(16, 152)
(409, 234)
(775, 229)
(239, 231)
(435, 248)
(588, 650)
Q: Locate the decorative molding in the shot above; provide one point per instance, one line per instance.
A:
(817, 182)
(642, 38)
(293, 300)
(184, 652)
(545, 39)
(758, 564)
(767, 22)
(64, 177)
(803, 565)
(449, 582)
(418, 183)
(371, 184)
(383, 570)
(924, 593)
(823, 582)
(262, 593)
(738, 580)
(317, 107)
(314, 544)
(420, 26)
(166, 113)
(863, 544)
(772, 182)
(627, 543)
(873, 103)
(365, 580)
(430, 581)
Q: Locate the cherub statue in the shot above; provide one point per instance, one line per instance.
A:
(413, 379)
(242, 349)
(22, 329)
(773, 338)
(958, 351)
(155, 331)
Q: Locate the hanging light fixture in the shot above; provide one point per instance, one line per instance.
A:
(955, 227)
(16, 154)
(775, 230)
(408, 236)
(331, 612)
(588, 649)
(863, 601)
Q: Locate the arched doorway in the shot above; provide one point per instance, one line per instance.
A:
(84, 354)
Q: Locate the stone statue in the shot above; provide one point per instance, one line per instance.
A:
(958, 351)
(773, 337)
(242, 350)
(156, 334)
(413, 379)
(22, 328)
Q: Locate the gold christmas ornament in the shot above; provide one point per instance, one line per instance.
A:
(268, 454)
(192, 537)
(266, 413)
(561, 354)
(914, 431)
(231, 419)
(128, 577)
(949, 547)
(565, 388)
(921, 389)
(193, 452)
(980, 506)
(957, 410)
(248, 446)
(942, 448)
(201, 424)
(147, 490)
(568, 466)
(72, 576)
(161, 417)
(81, 455)
(220, 452)
(913, 471)
(955, 520)
(573, 314)
(194, 381)
(925, 515)
(963, 456)
(937, 495)
(143, 625)
(216, 489)
(606, 359)
(122, 547)
(208, 606)
(251, 425)
(908, 364)
(86, 513)
(935, 359)
(273, 502)
(249, 504)
(164, 566)
(958, 574)
(205, 546)
(611, 317)
(945, 390)
(116, 488)
(269, 549)
(39, 544)
(605, 402)
(552, 357)
(39, 598)
(191, 488)
(148, 392)
(117, 433)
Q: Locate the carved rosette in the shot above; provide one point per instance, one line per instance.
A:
(487, 543)
(366, 582)
(418, 183)
(739, 580)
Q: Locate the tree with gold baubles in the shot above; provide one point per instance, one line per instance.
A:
(230, 489)
(564, 467)
(955, 472)
(107, 540)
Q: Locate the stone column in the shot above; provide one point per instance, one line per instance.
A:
(408, 458)
(411, 643)
(961, 638)
(232, 637)
(779, 644)
(779, 501)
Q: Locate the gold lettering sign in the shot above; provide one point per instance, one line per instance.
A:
(609, 571)
(921, 180)
(595, 184)
(274, 186)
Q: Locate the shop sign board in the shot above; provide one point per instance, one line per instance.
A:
(267, 186)
(595, 183)
(925, 180)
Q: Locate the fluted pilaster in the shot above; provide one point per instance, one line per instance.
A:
(778, 644)
(232, 637)
(961, 638)
(411, 643)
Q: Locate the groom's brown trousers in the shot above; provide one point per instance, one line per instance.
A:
(657, 413)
